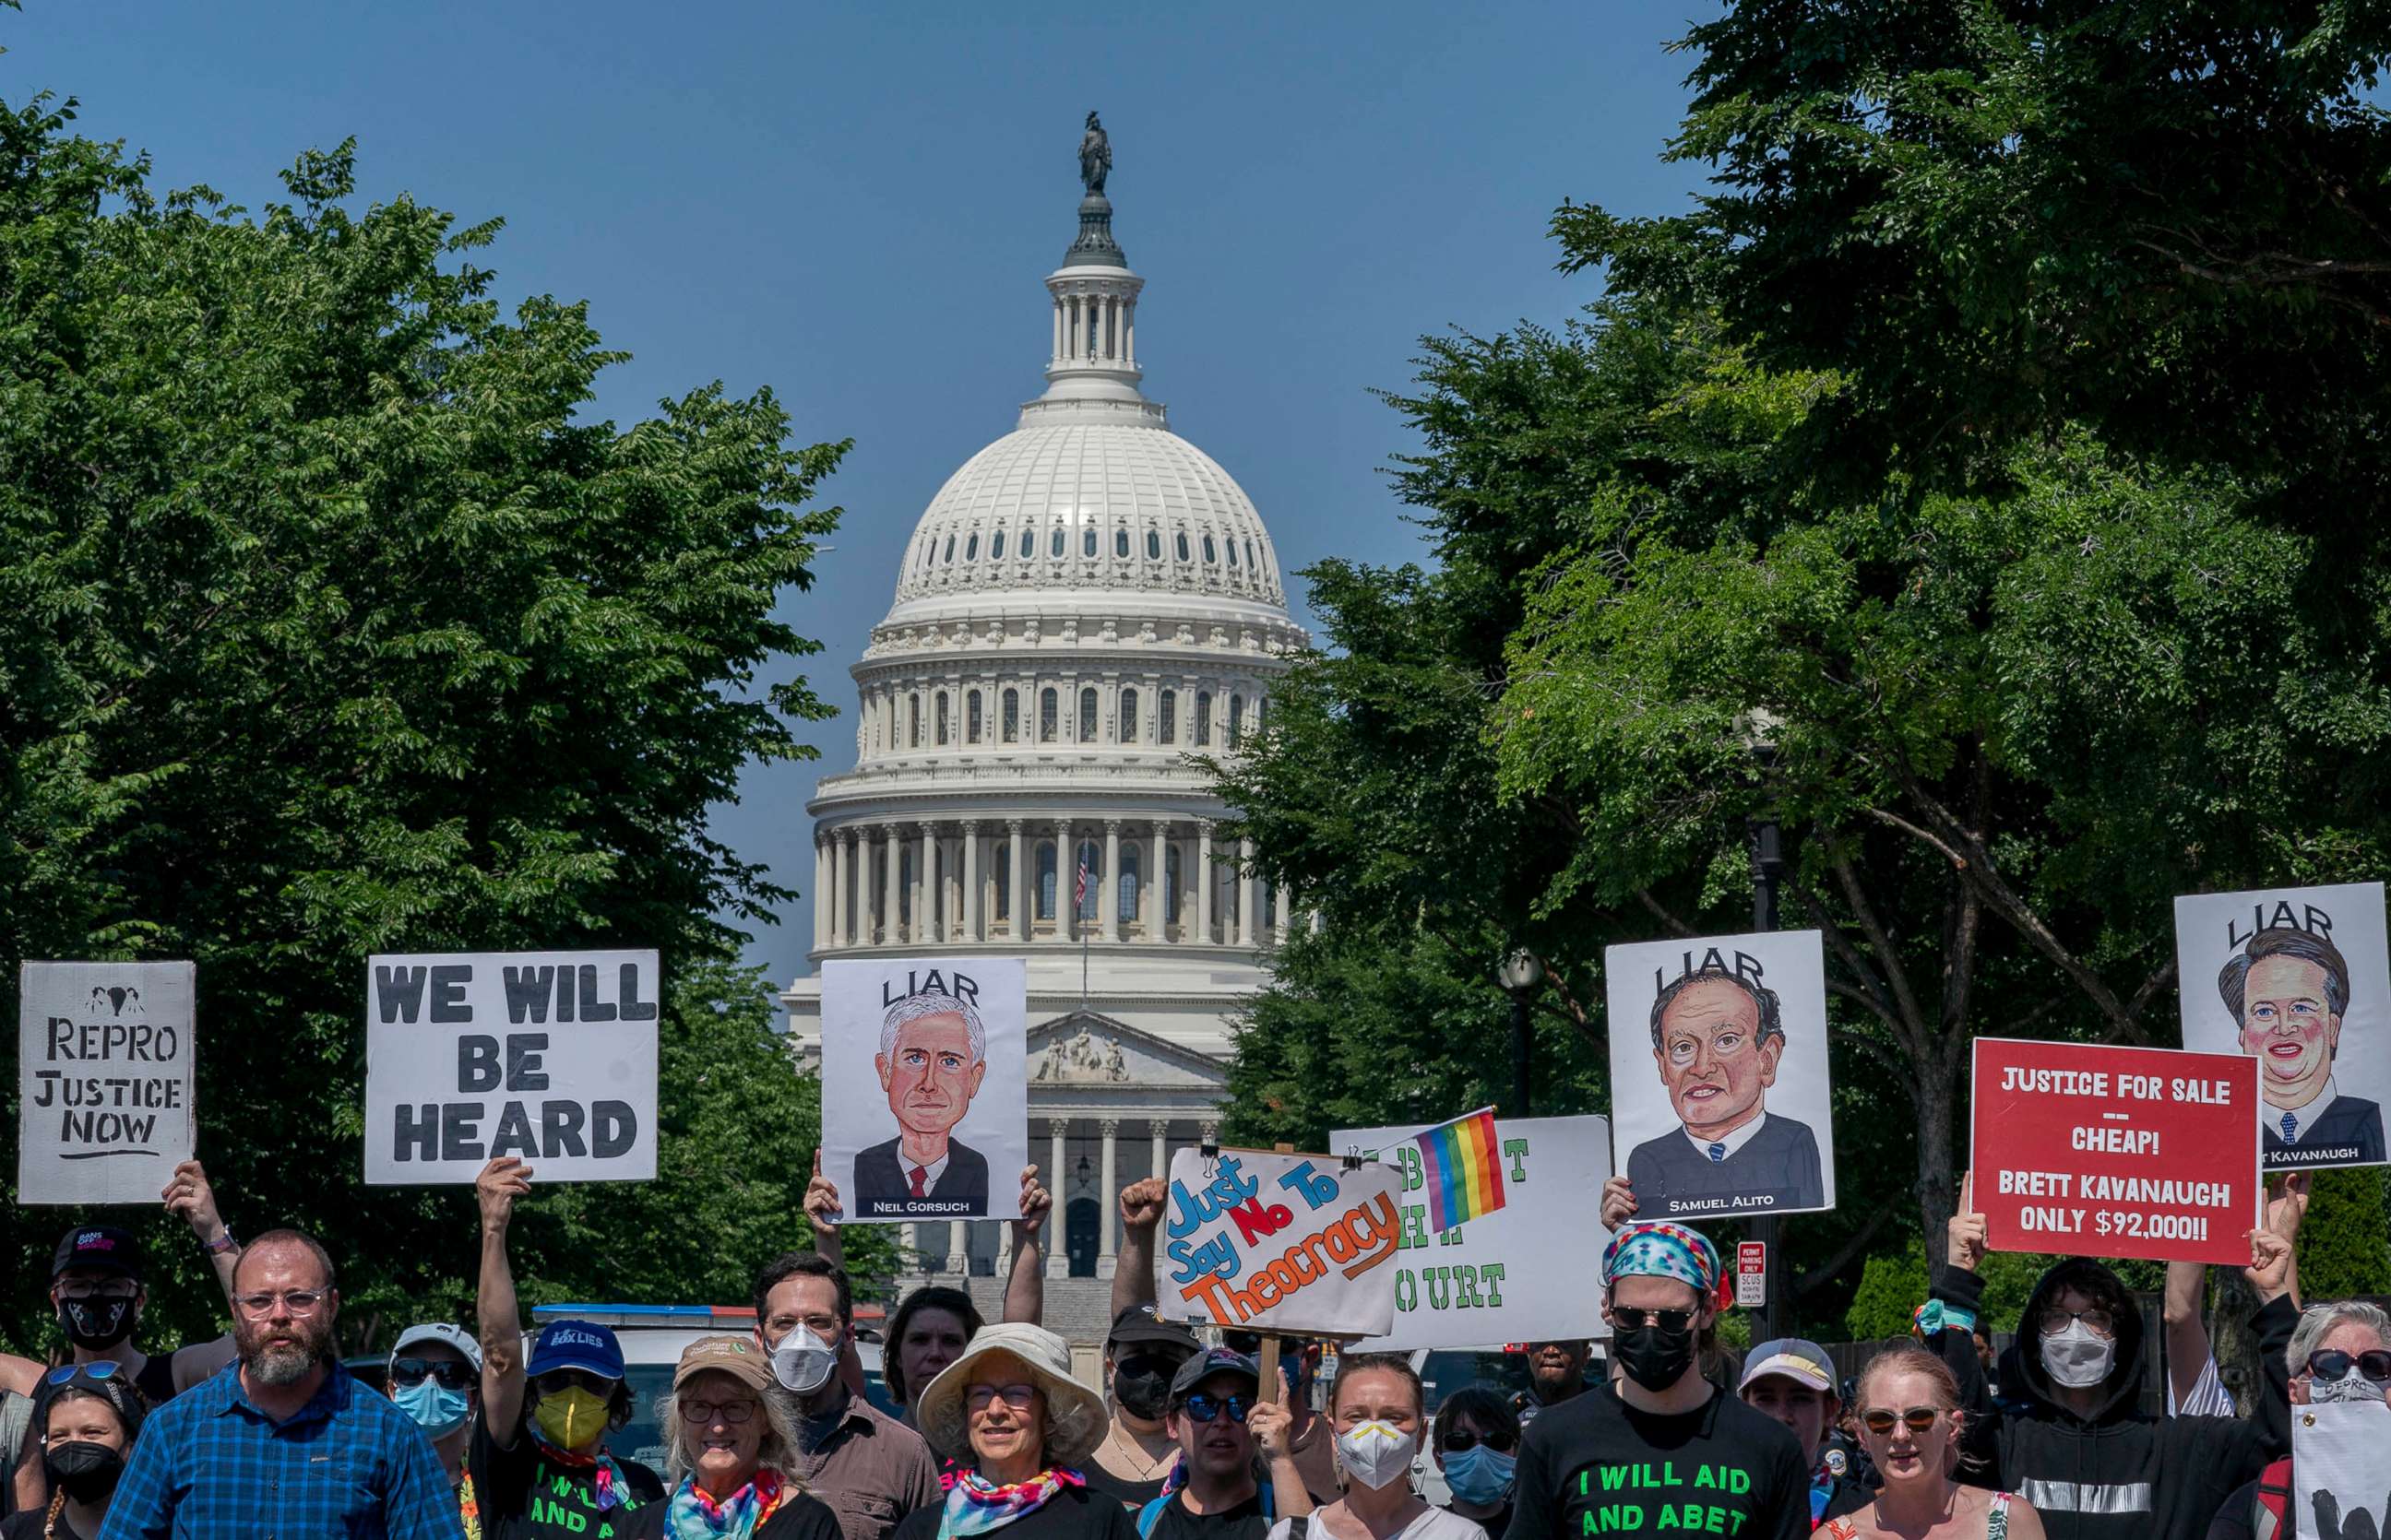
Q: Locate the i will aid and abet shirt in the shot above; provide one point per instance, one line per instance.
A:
(1595, 1465)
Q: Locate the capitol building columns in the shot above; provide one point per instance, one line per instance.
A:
(1087, 604)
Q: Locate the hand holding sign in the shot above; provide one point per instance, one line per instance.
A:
(502, 1182)
(1964, 1237)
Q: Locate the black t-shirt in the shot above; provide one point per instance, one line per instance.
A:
(1244, 1521)
(1496, 1524)
(1074, 1513)
(1595, 1465)
(525, 1495)
(799, 1517)
(28, 1526)
(1133, 1494)
(2236, 1519)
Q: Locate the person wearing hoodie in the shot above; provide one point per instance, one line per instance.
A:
(2067, 1436)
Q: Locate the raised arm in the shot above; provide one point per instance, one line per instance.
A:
(498, 1318)
(190, 1199)
(823, 1212)
(2271, 1274)
(1141, 1214)
(2187, 1330)
(1962, 1293)
(1025, 1289)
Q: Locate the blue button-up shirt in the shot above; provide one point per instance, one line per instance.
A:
(209, 1465)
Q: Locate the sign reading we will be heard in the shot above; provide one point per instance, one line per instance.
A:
(548, 1056)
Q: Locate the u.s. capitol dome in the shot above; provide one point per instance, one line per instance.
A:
(1087, 602)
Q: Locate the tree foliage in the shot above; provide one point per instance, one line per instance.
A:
(328, 627)
(1980, 483)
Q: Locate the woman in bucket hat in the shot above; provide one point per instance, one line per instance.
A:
(1010, 1406)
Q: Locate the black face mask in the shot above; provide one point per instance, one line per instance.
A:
(86, 1472)
(96, 1323)
(1143, 1388)
(1654, 1356)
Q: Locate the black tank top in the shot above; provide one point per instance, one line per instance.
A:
(156, 1381)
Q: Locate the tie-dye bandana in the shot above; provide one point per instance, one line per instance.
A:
(976, 1505)
(692, 1515)
(1658, 1249)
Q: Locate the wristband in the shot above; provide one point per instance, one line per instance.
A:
(223, 1243)
(1936, 1316)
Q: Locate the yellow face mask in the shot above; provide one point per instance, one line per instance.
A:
(572, 1421)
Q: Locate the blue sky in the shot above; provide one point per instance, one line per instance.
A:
(855, 205)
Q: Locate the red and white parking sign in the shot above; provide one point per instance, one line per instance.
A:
(2116, 1152)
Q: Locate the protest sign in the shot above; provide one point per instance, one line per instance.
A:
(2299, 980)
(2341, 1470)
(926, 1086)
(1718, 1075)
(2115, 1152)
(549, 1057)
(1282, 1243)
(1516, 1275)
(104, 1055)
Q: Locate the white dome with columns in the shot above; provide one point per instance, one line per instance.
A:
(1087, 604)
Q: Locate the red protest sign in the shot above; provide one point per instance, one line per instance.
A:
(2115, 1152)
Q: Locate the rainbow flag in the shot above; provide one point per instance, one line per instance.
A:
(1462, 1163)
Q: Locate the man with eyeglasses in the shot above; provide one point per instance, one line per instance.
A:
(1309, 1438)
(1214, 1490)
(539, 1460)
(2339, 1352)
(870, 1468)
(284, 1443)
(2067, 1436)
(1665, 1449)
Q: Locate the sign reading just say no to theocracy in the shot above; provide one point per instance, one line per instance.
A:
(549, 1057)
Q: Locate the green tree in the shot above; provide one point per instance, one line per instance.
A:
(2002, 221)
(329, 627)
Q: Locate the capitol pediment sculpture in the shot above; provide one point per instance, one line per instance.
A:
(1085, 1057)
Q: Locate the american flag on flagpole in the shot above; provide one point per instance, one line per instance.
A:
(1079, 889)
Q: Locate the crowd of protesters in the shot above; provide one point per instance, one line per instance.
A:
(493, 1432)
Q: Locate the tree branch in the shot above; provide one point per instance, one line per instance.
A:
(1828, 1270)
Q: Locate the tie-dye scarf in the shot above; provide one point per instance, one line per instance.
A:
(976, 1505)
(692, 1515)
(610, 1488)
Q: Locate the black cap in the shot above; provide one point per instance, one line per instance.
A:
(103, 1248)
(1142, 1323)
(1206, 1364)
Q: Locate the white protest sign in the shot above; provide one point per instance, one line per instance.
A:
(2298, 979)
(549, 1057)
(2341, 1470)
(1518, 1275)
(1719, 1089)
(926, 1086)
(1268, 1243)
(104, 1056)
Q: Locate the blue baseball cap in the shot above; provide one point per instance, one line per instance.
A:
(576, 1345)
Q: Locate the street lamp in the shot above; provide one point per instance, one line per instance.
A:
(1759, 732)
(1522, 975)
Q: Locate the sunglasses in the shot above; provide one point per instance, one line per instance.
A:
(2333, 1364)
(558, 1381)
(1461, 1439)
(1204, 1408)
(452, 1376)
(104, 1369)
(1917, 1419)
(1634, 1317)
